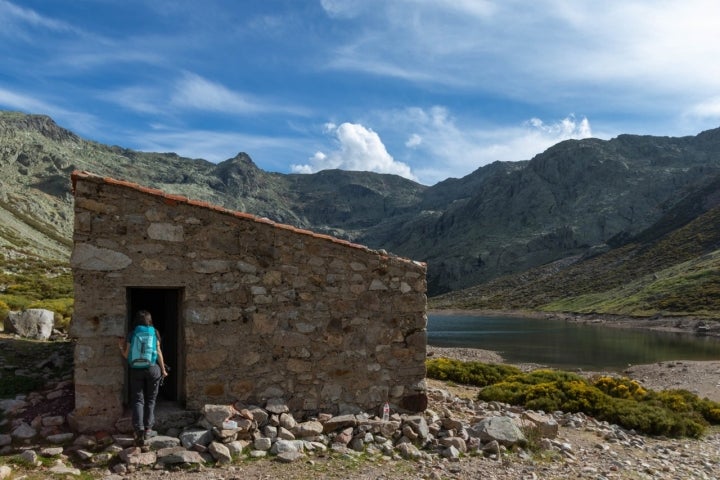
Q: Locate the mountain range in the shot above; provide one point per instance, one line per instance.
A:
(500, 228)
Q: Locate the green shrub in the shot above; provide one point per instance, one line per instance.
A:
(513, 393)
(63, 308)
(545, 375)
(619, 401)
(710, 411)
(675, 413)
(468, 373)
(651, 419)
(683, 401)
(15, 302)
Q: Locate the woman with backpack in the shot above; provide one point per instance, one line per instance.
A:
(146, 368)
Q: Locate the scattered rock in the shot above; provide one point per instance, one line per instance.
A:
(30, 457)
(276, 406)
(65, 470)
(5, 472)
(220, 452)
(176, 455)
(501, 429)
(456, 439)
(24, 432)
(290, 457)
(216, 415)
(409, 451)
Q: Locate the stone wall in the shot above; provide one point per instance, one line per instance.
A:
(267, 310)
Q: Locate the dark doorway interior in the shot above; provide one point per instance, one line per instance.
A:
(164, 306)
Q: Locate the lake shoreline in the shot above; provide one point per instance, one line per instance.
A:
(701, 377)
(678, 324)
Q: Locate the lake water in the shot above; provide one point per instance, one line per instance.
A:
(565, 345)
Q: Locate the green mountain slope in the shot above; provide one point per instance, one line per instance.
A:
(576, 199)
(37, 158)
(672, 268)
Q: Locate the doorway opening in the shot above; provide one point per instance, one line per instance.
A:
(164, 306)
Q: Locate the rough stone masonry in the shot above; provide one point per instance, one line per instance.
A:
(266, 310)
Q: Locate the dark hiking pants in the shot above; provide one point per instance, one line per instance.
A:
(144, 386)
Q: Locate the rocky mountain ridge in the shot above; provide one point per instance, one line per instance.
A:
(672, 267)
(578, 197)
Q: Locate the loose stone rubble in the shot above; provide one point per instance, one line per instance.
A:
(456, 437)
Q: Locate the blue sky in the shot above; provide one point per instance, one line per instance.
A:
(426, 89)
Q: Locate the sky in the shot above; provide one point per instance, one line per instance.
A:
(425, 89)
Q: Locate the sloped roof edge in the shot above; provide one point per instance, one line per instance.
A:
(171, 199)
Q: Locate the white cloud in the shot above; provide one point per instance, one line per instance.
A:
(565, 129)
(358, 149)
(195, 92)
(11, 13)
(137, 99)
(708, 109)
(342, 8)
(414, 141)
(548, 49)
(101, 54)
(652, 46)
(23, 102)
(453, 148)
(305, 169)
(79, 122)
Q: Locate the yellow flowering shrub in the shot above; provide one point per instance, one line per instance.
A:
(675, 413)
(620, 387)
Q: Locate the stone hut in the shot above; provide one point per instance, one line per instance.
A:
(249, 310)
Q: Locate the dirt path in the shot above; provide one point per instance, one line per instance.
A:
(700, 378)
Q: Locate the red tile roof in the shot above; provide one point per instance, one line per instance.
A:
(171, 199)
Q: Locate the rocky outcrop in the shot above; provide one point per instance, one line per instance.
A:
(35, 323)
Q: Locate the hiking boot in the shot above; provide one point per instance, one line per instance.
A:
(149, 433)
(139, 438)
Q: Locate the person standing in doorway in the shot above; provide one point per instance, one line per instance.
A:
(146, 367)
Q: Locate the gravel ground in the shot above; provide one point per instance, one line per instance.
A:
(583, 449)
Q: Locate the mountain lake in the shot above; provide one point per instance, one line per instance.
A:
(567, 345)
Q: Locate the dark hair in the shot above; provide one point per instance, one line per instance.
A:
(143, 317)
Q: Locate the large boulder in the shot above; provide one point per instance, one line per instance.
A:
(35, 323)
(546, 425)
(501, 429)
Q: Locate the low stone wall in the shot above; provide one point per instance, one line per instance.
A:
(267, 310)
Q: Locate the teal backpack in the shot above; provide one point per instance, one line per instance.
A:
(143, 347)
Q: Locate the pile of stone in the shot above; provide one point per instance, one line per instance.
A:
(224, 433)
